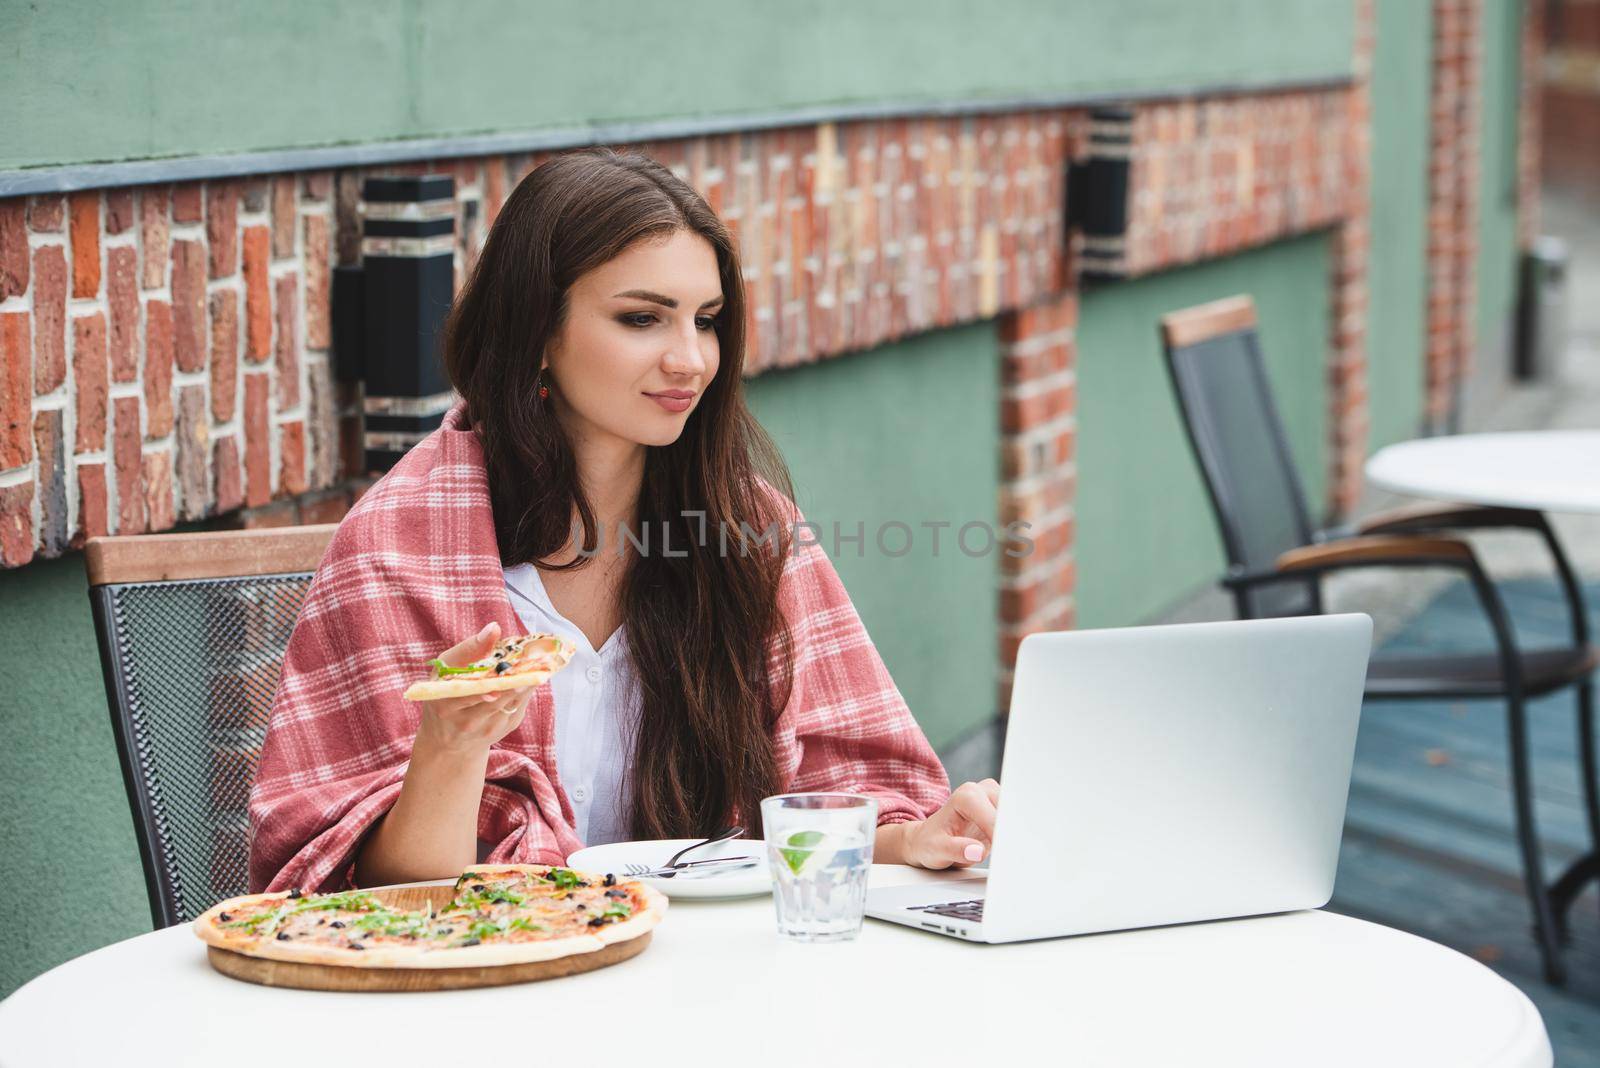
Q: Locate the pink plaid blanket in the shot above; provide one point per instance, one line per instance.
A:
(413, 569)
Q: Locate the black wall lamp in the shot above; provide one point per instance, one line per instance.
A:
(1097, 195)
(388, 312)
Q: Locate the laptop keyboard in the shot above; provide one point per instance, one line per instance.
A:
(971, 911)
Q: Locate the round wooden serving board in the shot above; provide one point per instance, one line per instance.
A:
(355, 977)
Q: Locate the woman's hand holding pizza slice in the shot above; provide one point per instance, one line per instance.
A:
(480, 688)
(475, 695)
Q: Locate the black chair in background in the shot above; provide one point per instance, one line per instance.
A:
(1276, 559)
(192, 630)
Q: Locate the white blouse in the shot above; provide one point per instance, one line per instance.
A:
(596, 706)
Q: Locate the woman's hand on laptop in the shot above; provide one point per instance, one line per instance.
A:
(956, 836)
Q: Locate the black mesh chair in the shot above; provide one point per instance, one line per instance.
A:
(192, 629)
(1276, 560)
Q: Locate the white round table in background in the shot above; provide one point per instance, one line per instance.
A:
(1549, 470)
(718, 987)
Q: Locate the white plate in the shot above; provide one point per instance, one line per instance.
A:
(741, 882)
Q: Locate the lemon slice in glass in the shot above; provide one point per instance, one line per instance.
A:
(807, 852)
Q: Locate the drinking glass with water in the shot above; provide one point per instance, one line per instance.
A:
(820, 850)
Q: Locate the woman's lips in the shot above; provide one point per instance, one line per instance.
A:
(673, 400)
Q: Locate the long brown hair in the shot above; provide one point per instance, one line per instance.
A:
(704, 629)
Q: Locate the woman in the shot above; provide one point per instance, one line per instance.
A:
(596, 480)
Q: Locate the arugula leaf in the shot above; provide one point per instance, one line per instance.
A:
(564, 878)
(352, 900)
(478, 930)
(263, 923)
(498, 895)
(485, 929)
(445, 669)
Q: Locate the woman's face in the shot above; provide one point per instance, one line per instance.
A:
(638, 348)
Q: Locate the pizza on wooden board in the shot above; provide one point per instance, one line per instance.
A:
(513, 663)
(501, 914)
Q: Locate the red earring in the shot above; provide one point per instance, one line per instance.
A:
(544, 390)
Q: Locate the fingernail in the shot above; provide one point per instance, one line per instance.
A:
(484, 633)
(974, 852)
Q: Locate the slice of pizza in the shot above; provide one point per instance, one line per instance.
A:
(525, 660)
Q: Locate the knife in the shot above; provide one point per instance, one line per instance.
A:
(721, 863)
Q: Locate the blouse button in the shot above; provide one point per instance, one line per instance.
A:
(593, 674)
(581, 794)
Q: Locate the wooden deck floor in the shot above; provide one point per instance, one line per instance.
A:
(1429, 845)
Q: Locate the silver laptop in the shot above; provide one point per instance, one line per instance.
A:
(1159, 775)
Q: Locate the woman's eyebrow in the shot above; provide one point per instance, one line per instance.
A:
(645, 294)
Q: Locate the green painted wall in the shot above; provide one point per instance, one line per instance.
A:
(61, 797)
(1497, 203)
(908, 432)
(1398, 279)
(158, 78)
(1146, 536)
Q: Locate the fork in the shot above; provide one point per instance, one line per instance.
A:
(721, 836)
(637, 871)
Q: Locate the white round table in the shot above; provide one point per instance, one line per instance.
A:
(1549, 470)
(718, 987)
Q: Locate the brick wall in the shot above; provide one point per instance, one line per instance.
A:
(1530, 92)
(1569, 125)
(1038, 432)
(165, 355)
(1212, 177)
(1453, 178)
(854, 234)
(165, 350)
(1349, 425)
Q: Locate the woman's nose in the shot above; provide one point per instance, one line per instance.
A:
(685, 356)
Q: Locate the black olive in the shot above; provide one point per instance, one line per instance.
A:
(598, 921)
(336, 923)
(224, 917)
(611, 880)
(470, 942)
(502, 667)
(283, 936)
(294, 893)
(616, 894)
(477, 888)
(357, 945)
(579, 906)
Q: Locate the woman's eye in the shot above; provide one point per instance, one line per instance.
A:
(704, 322)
